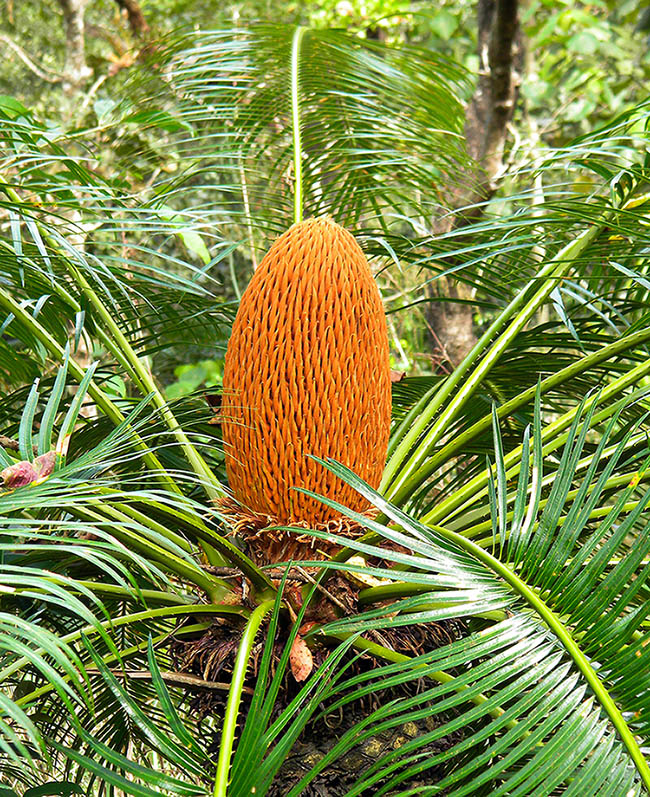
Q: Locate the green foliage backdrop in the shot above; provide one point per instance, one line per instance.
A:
(514, 500)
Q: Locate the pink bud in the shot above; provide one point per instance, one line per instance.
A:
(18, 475)
(45, 464)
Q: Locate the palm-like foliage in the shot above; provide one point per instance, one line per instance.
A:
(560, 570)
(542, 549)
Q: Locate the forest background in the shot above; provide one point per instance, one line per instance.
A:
(572, 68)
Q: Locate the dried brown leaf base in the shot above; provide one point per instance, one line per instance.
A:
(267, 544)
(211, 655)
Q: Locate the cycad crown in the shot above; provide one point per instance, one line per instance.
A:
(307, 372)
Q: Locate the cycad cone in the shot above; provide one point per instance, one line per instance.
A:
(306, 372)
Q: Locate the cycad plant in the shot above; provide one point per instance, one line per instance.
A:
(496, 616)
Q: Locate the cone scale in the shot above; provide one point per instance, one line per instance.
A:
(306, 372)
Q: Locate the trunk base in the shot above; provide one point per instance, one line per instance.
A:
(268, 544)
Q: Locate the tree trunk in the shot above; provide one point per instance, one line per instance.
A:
(488, 115)
(137, 22)
(75, 71)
